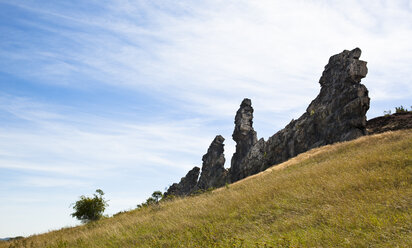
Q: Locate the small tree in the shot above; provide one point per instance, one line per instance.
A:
(157, 195)
(153, 200)
(88, 208)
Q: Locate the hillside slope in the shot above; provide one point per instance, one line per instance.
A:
(351, 194)
(392, 122)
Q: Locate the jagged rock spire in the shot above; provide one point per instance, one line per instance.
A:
(337, 114)
(186, 184)
(342, 103)
(245, 137)
(213, 171)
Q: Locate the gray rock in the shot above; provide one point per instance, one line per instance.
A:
(245, 137)
(186, 184)
(213, 173)
(337, 114)
(252, 163)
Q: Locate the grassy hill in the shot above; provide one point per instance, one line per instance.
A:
(352, 194)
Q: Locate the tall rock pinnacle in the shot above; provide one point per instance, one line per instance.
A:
(213, 171)
(245, 137)
(337, 114)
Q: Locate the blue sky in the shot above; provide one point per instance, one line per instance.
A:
(126, 96)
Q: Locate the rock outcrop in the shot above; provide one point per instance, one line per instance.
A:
(213, 173)
(245, 137)
(186, 184)
(386, 123)
(337, 114)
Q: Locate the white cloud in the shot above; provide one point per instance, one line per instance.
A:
(94, 142)
(199, 58)
(59, 159)
(52, 182)
(273, 51)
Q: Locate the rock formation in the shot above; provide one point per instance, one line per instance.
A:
(386, 123)
(245, 137)
(337, 114)
(186, 184)
(213, 174)
(213, 171)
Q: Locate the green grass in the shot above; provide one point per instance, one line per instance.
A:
(352, 194)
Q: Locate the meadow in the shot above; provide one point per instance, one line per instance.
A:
(350, 194)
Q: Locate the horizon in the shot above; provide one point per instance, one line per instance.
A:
(127, 97)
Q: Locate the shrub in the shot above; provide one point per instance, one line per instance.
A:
(90, 208)
(401, 109)
(153, 200)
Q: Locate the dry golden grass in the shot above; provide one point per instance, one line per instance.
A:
(352, 194)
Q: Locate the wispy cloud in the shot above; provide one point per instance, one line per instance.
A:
(268, 50)
(183, 68)
(57, 152)
(95, 142)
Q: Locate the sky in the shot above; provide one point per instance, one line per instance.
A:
(126, 96)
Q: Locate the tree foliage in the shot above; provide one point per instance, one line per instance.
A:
(153, 200)
(90, 208)
(157, 195)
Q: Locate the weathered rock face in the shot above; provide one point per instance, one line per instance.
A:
(213, 173)
(186, 184)
(245, 137)
(254, 162)
(338, 113)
